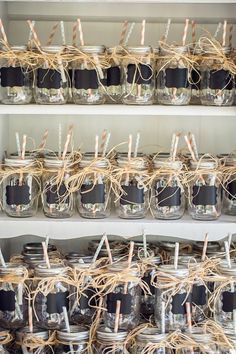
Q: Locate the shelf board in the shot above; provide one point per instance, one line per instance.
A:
(76, 227)
(223, 2)
(106, 109)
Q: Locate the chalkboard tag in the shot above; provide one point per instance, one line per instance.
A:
(92, 194)
(221, 79)
(17, 195)
(231, 188)
(177, 78)
(49, 79)
(12, 76)
(178, 303)
(147, 280)
(113, 76)
(55, 302)
(85, 79)
(139, 74)
(228, 301)
(55, 195)
(169, 196)
(125, 299)
(204, 195)
(7, 300)
(196, 80)
(199, 295)
(84, 301)
(134, 195)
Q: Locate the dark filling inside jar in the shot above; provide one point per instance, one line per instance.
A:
(49, 79)
(139, 74)
(204, 195)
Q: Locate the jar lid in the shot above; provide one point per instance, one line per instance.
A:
(135, 162)
(36, 247)
(204, 163)
(224, 268)
(139, 49)
(92, 49)
(52, 48)
(190, 260)
(179, 49)
(107, 335)
(18, 162)
(37, 332)
(14, 268)
(161, 163)
(19, 48)
(152, 335)
(212, 246)
(56, 163)
(120, 266)
(42, 270)
(118, 50)
(87, 158)
(180, 272)
(77, 334)
(200, 337)
(230, 160)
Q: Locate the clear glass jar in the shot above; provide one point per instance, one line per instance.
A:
(150, 337)
(49, 304)
(88, 76)
(129, 293)
(196, 76)
(24, 338)
(173, 87)
(51, 85)
(167, 199)
(57, 200)
(13, 301)
(94, 197)
(229, 189)
(75, 342)
(217, 83)
(205, 191)
(16, 79)
(230, 349)
(133, 202)
(138, 83)
(110, 342)
(175, 308)
(5, 342)
(114, 76)
(205, 343)
(33, 254)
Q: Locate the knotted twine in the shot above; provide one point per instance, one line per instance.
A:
(31, 341)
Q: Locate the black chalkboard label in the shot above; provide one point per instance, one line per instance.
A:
(49, 79)
(199, 295)
(84, 301)
(70, 74)
(55, 302)
(7, 300)
(231, 188)
(12, 76)
(176, 78)
(85, 79)
(195, 80)
(178, 303)
(228, 301)
(221, 79)
(168, 196)
(55, 194)
(125, 306)
(204, 195)
(113, 76)
(92, 194)
(134, 195)
(139, 74)
(17, 195)
(147, 280)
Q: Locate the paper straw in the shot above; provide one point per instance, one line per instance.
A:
(224, 33)
(108, 250)
(30, 314)
(30, 32)
(194, 146)
(99, 248)
(3, 32)
(117, 316)
(44, 140)
(23, 147)
(103, 138)
(231, 35)
(34, 33)
(59, 139)
(172, 145)
(217, 30)
(176, 255)
(106, 144)
(123, 32)
(136, 145)
(81, 36)
(163, 323)
(3, 263)
(227, 254)
(185, 31)
(193, 32)
(67, 327)
(66, 146)
(145, 244)
(143, 32)
(18, 144)
(47, 241)
(190, 148)
(45, 252)
(167, 29)
(176, 146)
(52, 34)
(129, 147)
(96, 146)
(70, 129)
(63, 36)
(129, 33)
(189, 317)
(204, 250)
(74, 33)
(229, 239)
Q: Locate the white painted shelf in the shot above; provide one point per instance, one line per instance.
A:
(76, 227)
(135, 1)
(118, 109)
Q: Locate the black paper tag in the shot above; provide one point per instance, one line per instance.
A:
(147, 280)
(84, 301)
(55, 195)
(12, 76)
(70, 74)
(204, 195)
(134, 195)
(199, 295)
(55, 302)
(178, 303)
(176, 78)
(195, 79)
(125, 306)
(228, 301)
(92, 194)
(113, 76)
(231, 188)
(85, 79)
(16, 195)
(49, 79)
(221, 79)
(168, 196)
(7, 300)
(141, 74)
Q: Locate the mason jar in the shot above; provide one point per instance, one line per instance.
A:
(58, 201)
(51, 293)
(173, 74)
(202, 343)
(138, 82)
(110, 342)
(128, 292)
(5, 342)
(33, 253)
(217, 82)
(51, 85)
(167, 199)
(94, 196)
(204, 190)
(75, 342)
(229, 186)
(196, 76)
(16, 78)
(149, 338)
(13, 296)
(88, 76)
(26, 341)
(231, 347)
(114, 76)
(174, 297)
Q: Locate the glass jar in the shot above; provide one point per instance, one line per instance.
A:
(229, 189)
(94, 197)
(88, 76)
(110, 342)
(231, 348)
(51, 85)
(26, 342)
(204, 190)
(149, 338)
(196, 76)
(51, 294)
(173, 73)
(174, 297)
(138, 83)
(33, 253)
(168, 199)
(57, 200)
(114, 76)
(205, 343)
(128, 292)
(13, 296)
(75, 342)
(133, 201)
(16, 78)
(217, 82)
(5, 342)
(21, 187)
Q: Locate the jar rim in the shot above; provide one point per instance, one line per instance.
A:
(204, 163)
(92, 49)
(152, 335)
(52, 48)
(181, 271)
(18, 162)
(102, 334)
(175, 165)
(43, 270)
(139, 49)
(77, 333)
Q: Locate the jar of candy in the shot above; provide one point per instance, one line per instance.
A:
(204, 190)
(37, 342)
(94, 196)
(126, 289)
(151, 339)
(195, 79)
(13, 296)
(173, 76)
(21, 187)
(167, 199)
(51, 84)
(75, 342)
(229, 183)
(16, 77)
(132, 176)
(51, 294)
(114, 76)
(217, 82)
(138, 83)
(88, 84)
(58, 201)
(110, 342)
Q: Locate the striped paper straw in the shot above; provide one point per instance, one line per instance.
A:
(18, 144)
(103, 138)
(185, 31)
(63, 36)
(130, 147)
(34, 33)
(123, 32)
(3, 32)
(81, 35)
(52, 34)
(66, 146)
(143, 32)
(31, 33)
(224, 33)
(44, 140)
(136, 144)
(96, 146)
(23, 147)
(193, 32)
(217, 30)
(74, 33)
(106, 144)
(167, 29)
(129, 33)
(231, 28)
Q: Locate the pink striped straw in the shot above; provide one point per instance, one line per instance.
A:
(123, 32)
(32, 27)
(224, 33)
(81, 36)
(44, 140)
(143, 32)
(74, 33)
(52, 34)
(3, 32)
(231, 28)
(185, 31)
(104, 136)
(194, 32)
